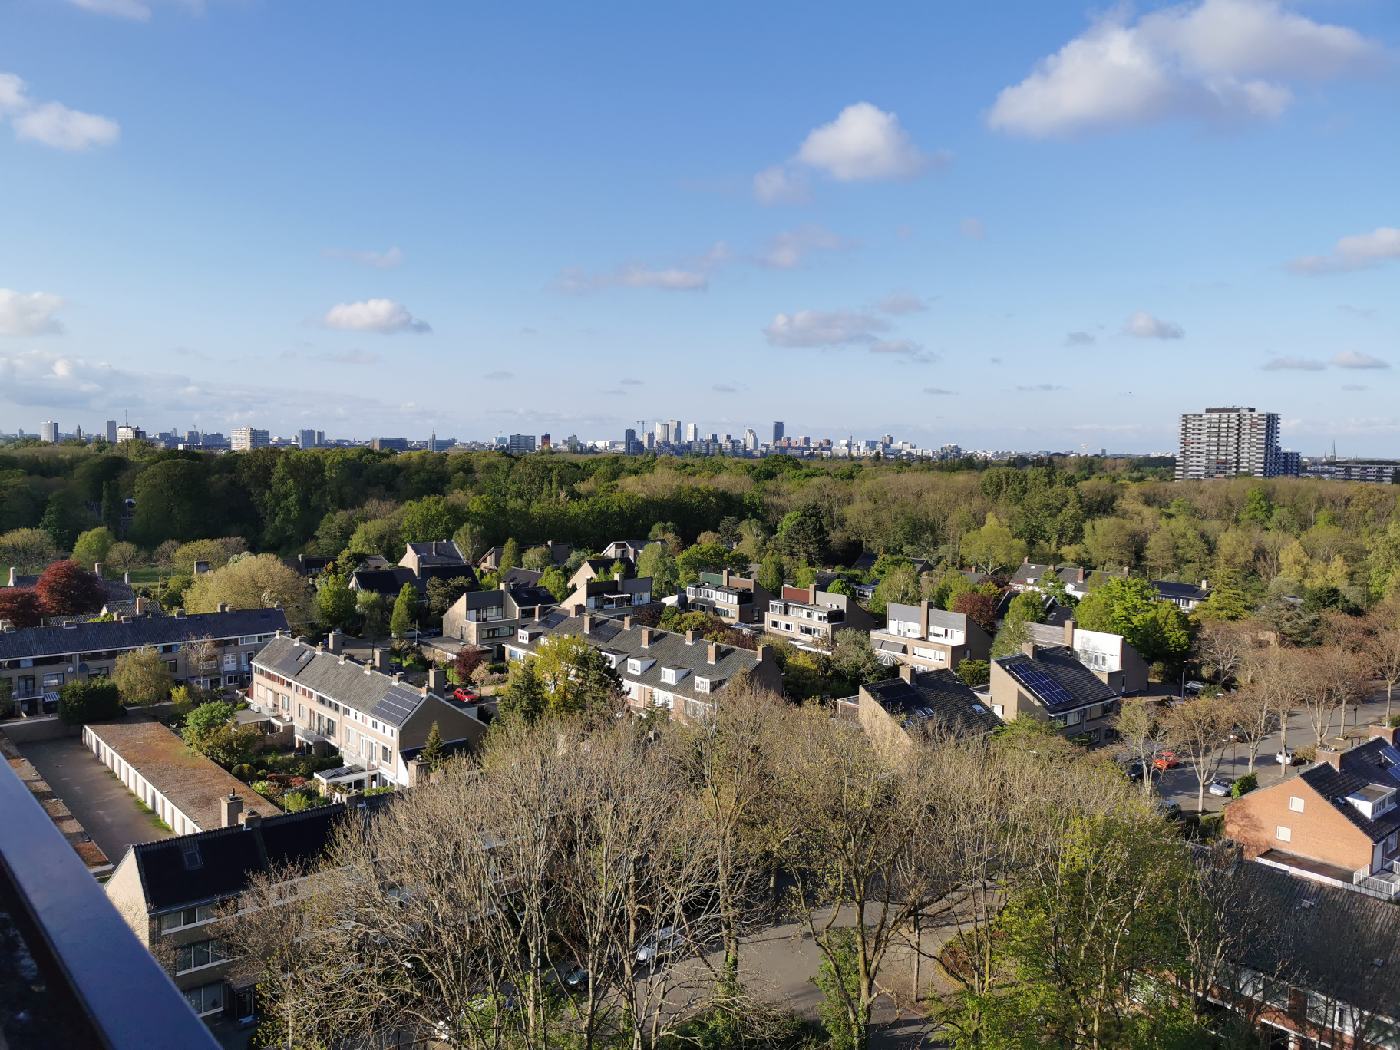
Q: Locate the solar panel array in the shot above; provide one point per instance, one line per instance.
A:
(1391, 756)
(396, 706)
(1047, 689)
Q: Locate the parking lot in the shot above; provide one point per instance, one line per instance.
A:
(99, 801)
(1179, 784)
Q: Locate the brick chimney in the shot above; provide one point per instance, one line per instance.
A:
(201, 567)
(230, 810)
(646, 637)
(712, 653)
(578, 610)
(907, 672)
(97, 569)
(223, 607)
(587, 623)
(1029, 649)
(1380, 732)
(252, 820)
(627, 623)
(1331, 755)
(335, 641)
(812, 594)
(381, 659)
(437, 680)
(1069, 632)
(13, 574)
(1079, 574)
(126, 578)
(689, 637)
(724, 576)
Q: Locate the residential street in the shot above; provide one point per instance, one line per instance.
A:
(1180, 786)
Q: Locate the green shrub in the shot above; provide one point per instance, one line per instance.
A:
(974, 672)
(91, 701)
(1244, 785)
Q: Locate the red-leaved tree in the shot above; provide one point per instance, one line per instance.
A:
(67, 589)
(466, 661)
(980, 608)
(20, 607)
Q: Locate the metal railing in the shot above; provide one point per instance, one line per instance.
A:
(91, 960)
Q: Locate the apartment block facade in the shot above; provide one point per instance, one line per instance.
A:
(810, 617)
(1229, 442)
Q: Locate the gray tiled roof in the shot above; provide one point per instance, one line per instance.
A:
(1056, 679)
(666, 648)
(938, 697)
(1028, 571)
(101, 636)
(1336, 942)
(343, 680)
(1360, 766)
(1169, 589)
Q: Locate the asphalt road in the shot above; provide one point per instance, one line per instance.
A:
(1179, 784)
(99, 800)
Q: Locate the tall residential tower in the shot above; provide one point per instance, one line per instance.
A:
(1229, 442)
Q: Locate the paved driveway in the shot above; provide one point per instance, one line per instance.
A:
(97, 798)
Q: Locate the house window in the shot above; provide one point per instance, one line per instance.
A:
(178, 920)
(1283, 834)
(198, 955)
(1295, 803)
(207, 998)
(383, 753)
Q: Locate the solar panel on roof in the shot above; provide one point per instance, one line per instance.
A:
(1051, 692)
(1391, 755)
(396, 706)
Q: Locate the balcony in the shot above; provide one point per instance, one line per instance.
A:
(79, 976)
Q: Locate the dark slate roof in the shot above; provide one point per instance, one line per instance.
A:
(1361, 766)
(521, 577)
(667, 648)
(1336, 942)
(383, 581)
(437, 552)
(937, 697)
(343, 680)
(115, 591)
(1169, 590)
(1028, 571)
(223, 860)
(100, 636)
(1056, 679)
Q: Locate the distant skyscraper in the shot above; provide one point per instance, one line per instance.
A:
(750, 440)
(1228, 442)
(111, 431)
(306, 438)
(126, 433)
(320, 438)
(248, 438)
(519, 444)
(630, 444)
(663, 432)
(777, 431)
(692, 432)
(48, 431)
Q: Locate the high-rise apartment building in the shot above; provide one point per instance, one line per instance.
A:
(692, 432)
(307, 439)
(126, 433)
(663, 432)
(247, 438)
(111, 431)
(1229, 442)
(48, 432)
(750, 440)
(777, 431)
(519, 444)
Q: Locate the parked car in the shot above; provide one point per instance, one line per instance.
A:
(1167, 808)
(1165, 760)
(1194, 688)
(658, 944)
(1285, 756)
(1220, 787)
(1133, 771)
(464, 695)
(577, 977)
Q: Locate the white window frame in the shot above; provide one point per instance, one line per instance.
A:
(1295, 804)
(1283, 834)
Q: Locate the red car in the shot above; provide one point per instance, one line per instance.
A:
(1165, 760)
(464, 695)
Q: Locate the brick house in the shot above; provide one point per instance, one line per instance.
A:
(928, 638)
(1110, 657)
(487, 619)
(734, 599)
(659, 669)
(895, 711)
(374, 720)
(1050, 683)
(1337, 821)
(810, 617)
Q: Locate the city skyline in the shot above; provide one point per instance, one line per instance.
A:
(1026, 228)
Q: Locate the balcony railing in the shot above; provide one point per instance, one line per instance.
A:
(97, 985)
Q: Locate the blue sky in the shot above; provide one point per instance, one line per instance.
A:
(1022, 225)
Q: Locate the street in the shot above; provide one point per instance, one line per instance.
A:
(1180, 786)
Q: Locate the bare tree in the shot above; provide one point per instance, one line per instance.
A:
(1383, 657)
(1196, 731)
(1221, 648)
(1139, 736)
(1254, 719)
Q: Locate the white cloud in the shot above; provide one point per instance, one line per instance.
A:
(691, 276)
(386, 260)
(903, 348)
(902, 303)
(132, 9)
(824, 328)
(1357, 360)
(29, 313)
(938, 391)
(1039, 388)
(1294, 364)
(374, 315)
(1079, 339)
(973, 229)
(498, 377)
(1354, 253)
(1219, 60)
(1144, 326)
(52, 123)
(787, 249)
(864, 143)
(780, 184)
